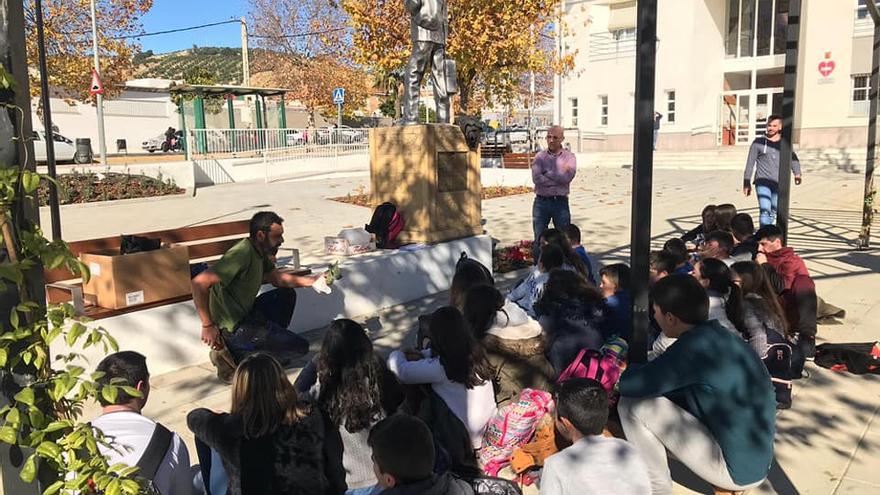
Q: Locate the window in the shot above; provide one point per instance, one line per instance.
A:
(756, 28)
(574, 112)
(862, 10)
(670, 106)
(624, 34)
(861, 89)
(603, 110)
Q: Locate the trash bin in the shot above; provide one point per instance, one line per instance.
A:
(83, 150)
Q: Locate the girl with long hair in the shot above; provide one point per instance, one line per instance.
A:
(513, 342)
(355, 390)
(573, 261)
(725, 297)
(572, 314)
(270, 441)
(455, 367)
(764, 317)
(724, 214)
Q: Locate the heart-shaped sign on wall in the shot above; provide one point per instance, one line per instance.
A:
(826, 67)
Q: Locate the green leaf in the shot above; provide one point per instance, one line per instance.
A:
(3, 355)
(132, 391)
(113, 487)
(76, 331)
(29, 470)
(38, 419)
(57, 425)
(26, 396)
(13, 417)
(8, 435)
(50, 450)
(53, 488)
(130, 487)
(30, 181)
(109, 392)
(53, 334)
(13, 318)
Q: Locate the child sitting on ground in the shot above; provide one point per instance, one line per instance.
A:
(574, 236)
(593, 463)
(614, 284)
(530, 289)
(403, 459)
(679, 251)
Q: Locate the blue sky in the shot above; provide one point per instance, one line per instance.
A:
(174, 14)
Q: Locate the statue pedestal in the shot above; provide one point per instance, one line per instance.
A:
(432, 176)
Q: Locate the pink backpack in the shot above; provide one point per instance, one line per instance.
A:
(604, 365)
(512, 426)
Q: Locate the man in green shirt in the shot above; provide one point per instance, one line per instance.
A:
(232, 314)
(708, 399)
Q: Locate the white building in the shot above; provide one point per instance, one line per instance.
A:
(719, 72)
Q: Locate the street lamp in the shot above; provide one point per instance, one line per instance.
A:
(99, 101)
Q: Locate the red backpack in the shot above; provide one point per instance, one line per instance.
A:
(386, 224)
(604, 366)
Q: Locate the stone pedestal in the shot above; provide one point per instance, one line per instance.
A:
(432, 176)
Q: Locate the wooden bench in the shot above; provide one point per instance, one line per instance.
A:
(518, 160)
(206, 243)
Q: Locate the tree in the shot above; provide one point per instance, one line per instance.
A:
(494, 43)
(68, 30)
(200, 75)
(305, 51)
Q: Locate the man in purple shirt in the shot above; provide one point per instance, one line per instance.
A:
(552, 173)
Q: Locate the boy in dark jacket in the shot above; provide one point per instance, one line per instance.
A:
(403, 459)
(798, 289)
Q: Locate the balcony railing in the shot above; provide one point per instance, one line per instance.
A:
(603, 46)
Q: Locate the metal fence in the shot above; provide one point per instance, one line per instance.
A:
(282, 143)
(522, 140)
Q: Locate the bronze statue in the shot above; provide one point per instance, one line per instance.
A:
(428, 30)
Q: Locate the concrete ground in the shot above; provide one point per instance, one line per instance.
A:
(828, 443)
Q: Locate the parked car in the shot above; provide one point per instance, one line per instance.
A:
(154, 143)
(65, 150)
(342, 135)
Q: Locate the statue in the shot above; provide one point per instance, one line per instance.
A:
(428, 30)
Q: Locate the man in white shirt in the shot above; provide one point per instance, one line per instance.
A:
(130, 433)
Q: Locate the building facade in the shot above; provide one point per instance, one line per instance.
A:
(719, 72)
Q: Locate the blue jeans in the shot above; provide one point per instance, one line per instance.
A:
(544, 209)
(367, 490)
(265, 329)
(768, 198)
(656, 133)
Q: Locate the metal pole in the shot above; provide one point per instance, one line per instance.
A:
(643, 171)
(245, 61)
(788, 102)
(339, 115)
(54, 209)
(559, 47)
(868, 198)
(99, 100)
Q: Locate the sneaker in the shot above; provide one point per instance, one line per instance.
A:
(221, 360)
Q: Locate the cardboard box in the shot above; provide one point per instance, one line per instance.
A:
(340, 246)
(119, 281)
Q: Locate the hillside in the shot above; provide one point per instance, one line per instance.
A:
(225, 62)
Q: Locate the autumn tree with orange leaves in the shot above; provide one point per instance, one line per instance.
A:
(67, 26)
(305, 52)
(495, 43)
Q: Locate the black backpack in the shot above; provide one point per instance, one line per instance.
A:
(380, 223)
(466, 263)
(859, 358)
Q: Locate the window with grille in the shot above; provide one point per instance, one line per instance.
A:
(670, 106)
(861, 89)
(603, 110)
(574, 112)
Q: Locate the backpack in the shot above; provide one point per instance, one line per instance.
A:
(604, 365)
(858, 359)
(154, 453)
(512, 426)
(386, 223)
